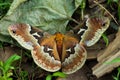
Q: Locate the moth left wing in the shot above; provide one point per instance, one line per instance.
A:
(73, 55)
(96, 27)
(42, 47)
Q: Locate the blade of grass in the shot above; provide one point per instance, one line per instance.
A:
(9, 61)
(113, 61)
(4, 4)
(59, 74)
(105, 39)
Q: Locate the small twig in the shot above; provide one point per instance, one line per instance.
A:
(79, 25)
(106, 11)
(75, 21)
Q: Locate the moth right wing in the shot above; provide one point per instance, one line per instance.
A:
(96, 27)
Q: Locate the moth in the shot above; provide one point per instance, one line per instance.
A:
(59, 51)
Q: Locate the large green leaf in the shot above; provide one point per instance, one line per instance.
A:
(49, 15)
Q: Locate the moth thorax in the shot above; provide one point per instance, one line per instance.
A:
(59, 43)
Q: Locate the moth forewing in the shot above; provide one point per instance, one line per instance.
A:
(96, 27)
(21, 33)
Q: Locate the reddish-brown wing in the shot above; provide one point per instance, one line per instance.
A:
(96, 27)
(73, 55)
(44, 53)
(21, 33)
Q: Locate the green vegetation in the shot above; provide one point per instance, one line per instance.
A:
(4, 6)
(117, 77)
(22, 75)
(116, 60)
(56, 74)
(82, 8)
(7, 67)
(105, 38)
(110, 2)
